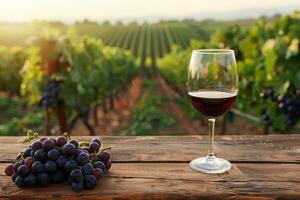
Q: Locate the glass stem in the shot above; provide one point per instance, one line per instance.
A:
(211, 127)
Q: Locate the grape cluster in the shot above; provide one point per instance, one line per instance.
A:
(51, 160)
(287, 103)
(50, 95)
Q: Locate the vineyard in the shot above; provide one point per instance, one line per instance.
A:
(85, 72)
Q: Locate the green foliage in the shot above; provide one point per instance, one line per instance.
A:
(15, 117)
(11, 61)
(88, 71)
(268, 57)
(147, 117)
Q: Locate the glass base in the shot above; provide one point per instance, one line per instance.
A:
(210, 165)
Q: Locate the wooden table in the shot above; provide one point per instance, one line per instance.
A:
(264, 167)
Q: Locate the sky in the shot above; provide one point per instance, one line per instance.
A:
(71, 10)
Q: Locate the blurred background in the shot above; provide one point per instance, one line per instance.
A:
(119, 67)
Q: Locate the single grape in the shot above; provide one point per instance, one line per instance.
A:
(70, 165)
(36, 145)
(86, 149)
(23, 170)
(75, 142)
(43, 178)
(29, 161)
(94, 147)
(100, 165)
(61, 141)
(51, 166)
(77, 187)
(87, 169)
(90, 181)
(82, 158)
(53, 154)
(97, 172)
(53, 141)
(40, 155)
(9, 170)
(19, 181)
(108, 165)
(104, 156)
(37, 167)
(97, 140)
(69, 149)
(30, 180)
(27, 152)
(48, 144)
(76, 175)
(58, 176)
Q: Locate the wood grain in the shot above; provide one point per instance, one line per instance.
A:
(264, 167)
(272, 148)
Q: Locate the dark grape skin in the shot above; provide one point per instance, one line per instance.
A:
(68, 149)
(87, 169)
(61, 161)
(97, 140)
(23, 170)
(75, 142)
(94, 147)
(30, 180)
(61, 141)
(43, 178)
(19, 181)
(16, 166)
(9, 170)
(90, 181)
(14, 176)
(53, 154)
(104, 156)
(108, 165)
(51, 166)
(97, 172)
(27, 152)
(78, 151)
(100, 165)
(76, 175)
(77, 187)
(58, 176)
(29, 161)
(48, 144)
(82, 158)
(37, 167)
(70, 165)
(36, 145)
(40, 155)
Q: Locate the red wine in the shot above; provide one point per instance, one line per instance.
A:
(212, 103)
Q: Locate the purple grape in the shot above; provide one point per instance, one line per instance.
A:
(104, 156)
(108, 165)
(42, 139)
(36, 145)
(27, 152)
(76, 175)
(97, 172)
(82, 158)
(94, 147)
(77, 187)
(30, 180)
(69, 149)
(9, 170)
(97, 140)
(75, 142)
(53, 154)
(48, 144)
(87, 169)
(61, 141)
(90, 181)
(100, 165)
(23, 170)
(29, 161)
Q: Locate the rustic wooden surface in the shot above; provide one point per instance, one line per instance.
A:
(264, 167)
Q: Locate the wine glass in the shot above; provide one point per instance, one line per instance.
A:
(212, 87)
